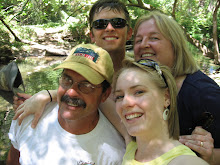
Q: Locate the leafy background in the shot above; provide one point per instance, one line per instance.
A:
(32, 19)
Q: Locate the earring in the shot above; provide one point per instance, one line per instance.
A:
(165, 114)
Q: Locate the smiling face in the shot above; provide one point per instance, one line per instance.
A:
(111, 39)
(140, 103)
(75, 105)
(151, 44)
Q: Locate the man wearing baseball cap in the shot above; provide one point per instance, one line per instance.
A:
(72, 131)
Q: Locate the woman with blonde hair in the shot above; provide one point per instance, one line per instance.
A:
(145, 95)
(160, 38)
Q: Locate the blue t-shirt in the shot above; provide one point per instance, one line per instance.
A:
(198, 94)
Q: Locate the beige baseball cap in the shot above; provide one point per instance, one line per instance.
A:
(90, 61)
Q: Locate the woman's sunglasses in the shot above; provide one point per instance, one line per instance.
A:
(103, 23)
(154, 65)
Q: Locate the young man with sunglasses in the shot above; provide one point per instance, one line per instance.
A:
(110, 28)
(73, 131)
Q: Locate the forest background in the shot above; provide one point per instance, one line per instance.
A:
(197, 17)
(41, 28)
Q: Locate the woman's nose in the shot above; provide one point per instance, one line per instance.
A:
(145, 43)
(127, 101)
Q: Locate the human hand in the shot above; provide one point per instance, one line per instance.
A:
(34, 105)
(19, 99)
(200, 141)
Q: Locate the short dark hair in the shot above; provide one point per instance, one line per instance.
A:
(115, 5)
(105, 86)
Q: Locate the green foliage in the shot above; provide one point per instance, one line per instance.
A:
(75, 8)
(52, 25)
(194, 15)
(4, 140)
(78, 31)
(46, 79)
(26, 32)
(27, 64)
(4, 37)
(6, 40)
(41, 12)
(205, 63)
(75, 16)
(36, 81)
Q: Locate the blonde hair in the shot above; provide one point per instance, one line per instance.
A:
(158, 80)
(184, 62)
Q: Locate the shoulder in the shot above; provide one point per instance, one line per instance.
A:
(200, 80)
(107, 130)
(26, 123)
(132, 144)
(187, 159)
(199, 84)
(104, 120)
(206, 89)
(104, 125)
(50, 107)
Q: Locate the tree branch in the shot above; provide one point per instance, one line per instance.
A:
(141, 5)
(23, 7)
(140, 2)
(16, 38)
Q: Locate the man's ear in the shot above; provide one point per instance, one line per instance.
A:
(129, 34)
(92, 37)
(106, 94)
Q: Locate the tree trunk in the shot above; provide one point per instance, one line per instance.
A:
(204, 49)
(215, 35)
(174, 9)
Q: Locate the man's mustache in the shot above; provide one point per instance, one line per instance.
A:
(74, 101)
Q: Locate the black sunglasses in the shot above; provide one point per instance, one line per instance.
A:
(153, 64)
(103, 23)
